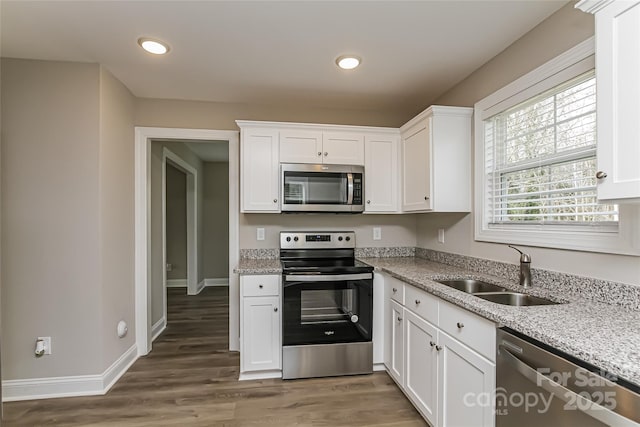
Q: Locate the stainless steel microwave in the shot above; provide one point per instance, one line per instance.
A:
(321, 188)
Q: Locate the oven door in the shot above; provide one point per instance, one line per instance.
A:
(323, 309)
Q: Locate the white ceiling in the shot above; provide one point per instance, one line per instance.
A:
(276, 53)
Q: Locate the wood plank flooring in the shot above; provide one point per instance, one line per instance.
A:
(190, 379)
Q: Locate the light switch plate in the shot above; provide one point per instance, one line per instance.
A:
(440, 235)
(260, 233)
(377, 233)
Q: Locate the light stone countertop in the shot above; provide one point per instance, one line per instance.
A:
(607, 336)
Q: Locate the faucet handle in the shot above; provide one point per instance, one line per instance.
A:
(523, 257)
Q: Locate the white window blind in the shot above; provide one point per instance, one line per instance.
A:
(540, 161)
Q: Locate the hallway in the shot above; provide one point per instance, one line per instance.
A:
(190, 379)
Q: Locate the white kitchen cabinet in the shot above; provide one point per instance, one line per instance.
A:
(449, 380)
(436, 161)
(396, 360)
(381, 188)
(260, 180)
(260, 327)
(421, 365)
(378, 321)
(466, 384)
(618, 97)
(315, 145)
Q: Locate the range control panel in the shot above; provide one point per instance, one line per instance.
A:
(317, 240)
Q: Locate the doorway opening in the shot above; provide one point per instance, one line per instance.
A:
(148, 323)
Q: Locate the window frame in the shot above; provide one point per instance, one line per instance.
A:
(625, 240)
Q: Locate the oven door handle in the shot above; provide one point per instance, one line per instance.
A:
(326, 277)
(349, 189)
(581, 403)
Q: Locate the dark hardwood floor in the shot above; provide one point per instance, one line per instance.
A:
(190, 379)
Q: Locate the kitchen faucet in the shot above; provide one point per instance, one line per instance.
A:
(525, 268)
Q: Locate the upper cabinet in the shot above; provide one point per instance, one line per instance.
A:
(381, 187)
(259, 179)
(618, 97)
(321, 146)
(436, 161)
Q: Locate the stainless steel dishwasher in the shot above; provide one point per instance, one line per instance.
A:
(541, 386)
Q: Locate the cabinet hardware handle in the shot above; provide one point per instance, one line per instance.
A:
(326, 154)
(426, 198)
(368, 202)
(460, 325)
(275, 200)
(432, 344)
(395, 290)
(399, 319)
(261, 286)
(275, 309)
(601, 175)
(438, 348)
(319, 153)
(417, 302)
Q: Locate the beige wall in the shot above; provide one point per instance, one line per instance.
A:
(558, 33)
(116, 213)
(50, 218)
(176, 223)
(215, 220)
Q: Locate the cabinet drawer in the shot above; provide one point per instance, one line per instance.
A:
(257, 286)
(396, 290)
(421, 303)
(470, 329)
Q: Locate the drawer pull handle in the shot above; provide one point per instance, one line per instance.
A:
(417, 302)
(261, 286)
(395, 290)
(601, 175)
(432, 344)
(319, 153)
(399, 319)
(460, 325)
(326, 154)
(438, 348)
(275, 309)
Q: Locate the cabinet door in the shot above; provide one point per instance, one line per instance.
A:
(396, 361)
(381, 177)
(618, 68)
(261, 338)
(342, 148)
(421, 365)
(260, 177)
(467, 382)
(416, 167)
(300, 146)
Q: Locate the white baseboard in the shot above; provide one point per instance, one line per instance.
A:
(223, 281)
(199, 288)
(245, 376)
(176, 283)
(379, 367)
(158, 328)
(72, 386)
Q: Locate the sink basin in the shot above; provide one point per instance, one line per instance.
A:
(472, 286)
(514, 299)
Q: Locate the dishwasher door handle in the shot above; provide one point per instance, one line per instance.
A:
(582, 404)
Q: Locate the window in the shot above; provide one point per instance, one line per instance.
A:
(536, 162)
(541, 160)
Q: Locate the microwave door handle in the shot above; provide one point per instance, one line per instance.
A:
(587, 406)
(349, 188)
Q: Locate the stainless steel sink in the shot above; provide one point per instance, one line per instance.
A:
(472, 286)
(514, 299)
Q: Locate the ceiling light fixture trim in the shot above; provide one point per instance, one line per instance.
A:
(153, 46)
(348, 62)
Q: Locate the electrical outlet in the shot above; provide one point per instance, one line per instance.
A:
(260, 233)
(377, 233)
(47, 344)
(441, 235)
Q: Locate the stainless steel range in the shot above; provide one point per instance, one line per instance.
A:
(327, 315)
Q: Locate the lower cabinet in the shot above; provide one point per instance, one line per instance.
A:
(450, 383)
(260, 327)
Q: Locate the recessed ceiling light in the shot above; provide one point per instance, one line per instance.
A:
(153, 46)
(348, 62)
